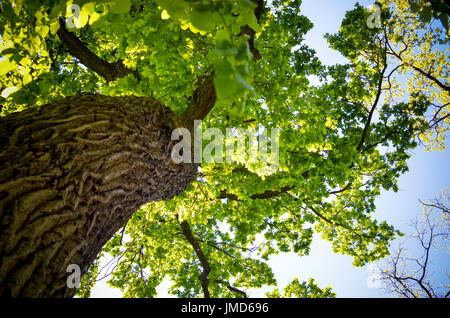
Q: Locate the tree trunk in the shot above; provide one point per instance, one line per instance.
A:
(72, 173)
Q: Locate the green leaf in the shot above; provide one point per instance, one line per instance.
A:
(42, 30)
(8, 51)
(54, 27)
(236, 29)
(120, 6)
(203, 19)
(242, 81)
(8, 12)
(88, 8)
(89, 14)
(227, 87)
(253, 23)
(425, 14)
(27, 79)
(44, 86)
(222, 39)
(175, 8)
(415, 7)
(7, 66)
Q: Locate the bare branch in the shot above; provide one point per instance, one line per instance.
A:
(409, 277)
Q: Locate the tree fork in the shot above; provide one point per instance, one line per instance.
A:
(72, 173)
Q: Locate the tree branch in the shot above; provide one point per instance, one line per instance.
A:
(109, 71)
(324, 218)
(432, 78)
(264, 195)
(231, 288)
(374, 105)
(417, 69)
(204, 95)
(202, 100)
(203, 277)
(334, 222)
(437, 205)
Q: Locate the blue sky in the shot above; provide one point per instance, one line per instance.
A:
(428, 174)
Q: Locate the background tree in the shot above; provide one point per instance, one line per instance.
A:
(437, 9)
(90, 98)
(303, 290)
(412, 277)
(416, 50)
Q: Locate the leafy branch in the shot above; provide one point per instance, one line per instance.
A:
(109, 71)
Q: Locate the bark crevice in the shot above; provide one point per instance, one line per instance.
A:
(72, 173)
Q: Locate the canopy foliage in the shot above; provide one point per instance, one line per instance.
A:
(346, 130)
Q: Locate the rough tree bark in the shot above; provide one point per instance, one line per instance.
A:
(71, 174)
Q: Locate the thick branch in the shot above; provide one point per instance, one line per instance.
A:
(231, 288)
(109, 71)
(374, 105)
(264, 195)
(432, 78)
(384, 139)
(204, 95)
(415, 68)
(201, 102)
(201, 256)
